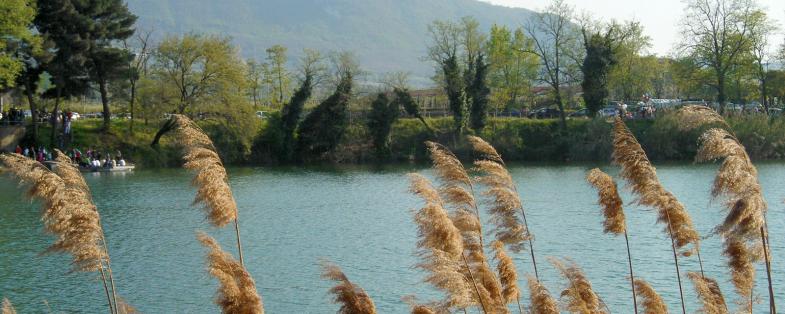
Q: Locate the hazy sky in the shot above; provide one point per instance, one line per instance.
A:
(660, 18)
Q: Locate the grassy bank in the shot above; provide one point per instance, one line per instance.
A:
(516, 139)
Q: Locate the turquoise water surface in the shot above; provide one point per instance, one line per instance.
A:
(360, 218)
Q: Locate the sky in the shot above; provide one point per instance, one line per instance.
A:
(660, 18)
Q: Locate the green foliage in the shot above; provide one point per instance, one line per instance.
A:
(479, 94)
(596, 65)
(456, 95)
(323, 129)
(277, 141)
(512, 69)
(16, 17)
(276, 75)
(383, 114)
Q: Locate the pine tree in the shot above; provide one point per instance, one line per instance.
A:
(596, 65)
(456, 95)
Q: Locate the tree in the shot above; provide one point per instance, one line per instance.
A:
(479, 94)
(380, 120)
(555, 44)
(597, 63)
(323, 129)
(256, 72)
(278, 76)
(760, 51)
(716, 33)
(198, 72)
(109, 22)
(512, 70)
(404, 99)
(15, 33)
(136, 68)
(61, 22)
(456, 94)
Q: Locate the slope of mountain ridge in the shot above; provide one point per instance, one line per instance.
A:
(386, 35)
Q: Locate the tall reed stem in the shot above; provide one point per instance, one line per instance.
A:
(700, 261)
(676, 261)
(520, 308)
(531, 246)
(106, 289)
(474, 283)
(764, 239)
(239, 244)
(632, 276)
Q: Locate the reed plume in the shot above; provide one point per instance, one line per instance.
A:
(8, 308)
(709, 294)
(641, 176)
(237, 291)
(614, 223)
(419, 308)
(745, 224)
(651, 302)
(211, 180)
(352, 297)
(440, 246)
(508, 275)
(610, 200)
(504, 199)
(456, 189)
(541, 300)
(694, 116)
(742, 270)
(579, 294)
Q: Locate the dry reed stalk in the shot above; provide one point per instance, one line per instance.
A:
(651, 302)
(441, 247)
(74, 179)
(641, 176)
(694, 116)
(709, 294)
(352, 297)
(745, 224)
(211, 180)
(125, 308)
(68, 213)
(8, 308)
(419, 308)
(237, 291)
(541, 300)
(508, 275)
(456, 189)
(505, 199)
(580, 296)
(614, 223)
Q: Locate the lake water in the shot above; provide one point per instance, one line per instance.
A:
(361, 219)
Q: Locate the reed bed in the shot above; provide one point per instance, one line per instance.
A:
(744, 231)
(504, 199)
(642, 178)
(651, 302)
(350, 296)
(236, 293)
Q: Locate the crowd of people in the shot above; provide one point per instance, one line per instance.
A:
(90, 159)
(12, 116)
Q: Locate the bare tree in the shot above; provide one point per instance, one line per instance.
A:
(137, 67)
(760, 51)
(716, 33)
(555, 42)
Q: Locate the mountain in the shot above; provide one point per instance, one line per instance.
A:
(386, 35)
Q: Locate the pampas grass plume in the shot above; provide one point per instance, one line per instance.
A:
(609, 199)
(580, 296)
(709, 294)
(352, 297)
(651, 302)
(8, 308)
(508, 275)
(237, 291)
(541, 300)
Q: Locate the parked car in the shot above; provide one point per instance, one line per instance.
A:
(775, 112)
(75, 116)
(608, 112)
(544, 113)
(261, 114)
(583, 113)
